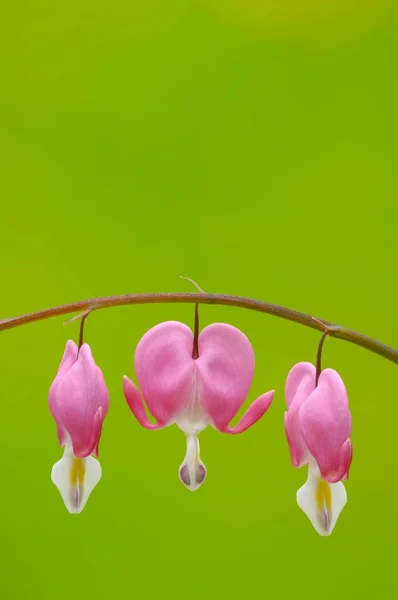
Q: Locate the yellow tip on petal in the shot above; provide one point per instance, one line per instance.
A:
(77, 472)
(323, 495)
(321, 501)
(75, 479)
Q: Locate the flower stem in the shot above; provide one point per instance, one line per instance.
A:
(339, 332)
(81, 333)
(319, 354)
(195, 350)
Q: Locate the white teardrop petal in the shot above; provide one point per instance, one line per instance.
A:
(321, 501)
(75, 479)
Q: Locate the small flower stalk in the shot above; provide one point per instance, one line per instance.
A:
(194, 380)
(78, 401)
(318, 428)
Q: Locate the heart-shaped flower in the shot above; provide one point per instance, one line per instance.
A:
(194, 391)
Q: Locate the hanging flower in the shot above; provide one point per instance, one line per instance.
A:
(194, 389)
(78, 401)
(318, 428)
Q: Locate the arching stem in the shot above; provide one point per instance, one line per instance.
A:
(339, 332)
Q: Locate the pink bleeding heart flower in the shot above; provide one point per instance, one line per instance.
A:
(318, 428)
(194, 392)
(78, 401)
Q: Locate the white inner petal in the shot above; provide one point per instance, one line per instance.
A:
(321, 501)
(75, 479)
(193, 419)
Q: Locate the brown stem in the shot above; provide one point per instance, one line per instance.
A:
(342, 333)
(81, 334)
(325, 334)
(195, 351)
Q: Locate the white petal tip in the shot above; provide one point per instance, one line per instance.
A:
(322, 502)
(75, 479)
(192, 472)
(192, 476)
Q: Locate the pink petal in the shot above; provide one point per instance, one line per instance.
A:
(299, 384)
(253, 413)
(93, 372)
(69, 358)
(80, 403)
(225, 366)
(61, 433)
(300, 378)
(136, 404)
(97, 436)
(325, 423)
(346, 458)
(165, 371)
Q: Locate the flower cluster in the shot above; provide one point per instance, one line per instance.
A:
(194, 381)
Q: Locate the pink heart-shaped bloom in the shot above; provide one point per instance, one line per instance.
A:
(199, 391)
(318, 421)
(194, 392)
(78, 400)
(299, 384)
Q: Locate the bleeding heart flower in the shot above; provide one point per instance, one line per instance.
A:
(78, 401)
(318, 428)
(194, 392)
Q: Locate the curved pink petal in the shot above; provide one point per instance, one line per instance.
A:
(225, 366)
(299, 385)
(97, 430)
(346, 457)
(95, 451)
(253, 413)
(301, 378)
(61, 433)
(95, 377)
(325, 423)
(69, 357)
(136, 404)
(80, 403)
(68, 360)
(165, 370)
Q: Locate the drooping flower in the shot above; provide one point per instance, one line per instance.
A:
(318, 428)
(194, 392)
(78, 401)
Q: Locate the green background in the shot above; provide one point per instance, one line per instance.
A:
(252, 146)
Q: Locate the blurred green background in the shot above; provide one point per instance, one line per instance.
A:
(252, 146)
